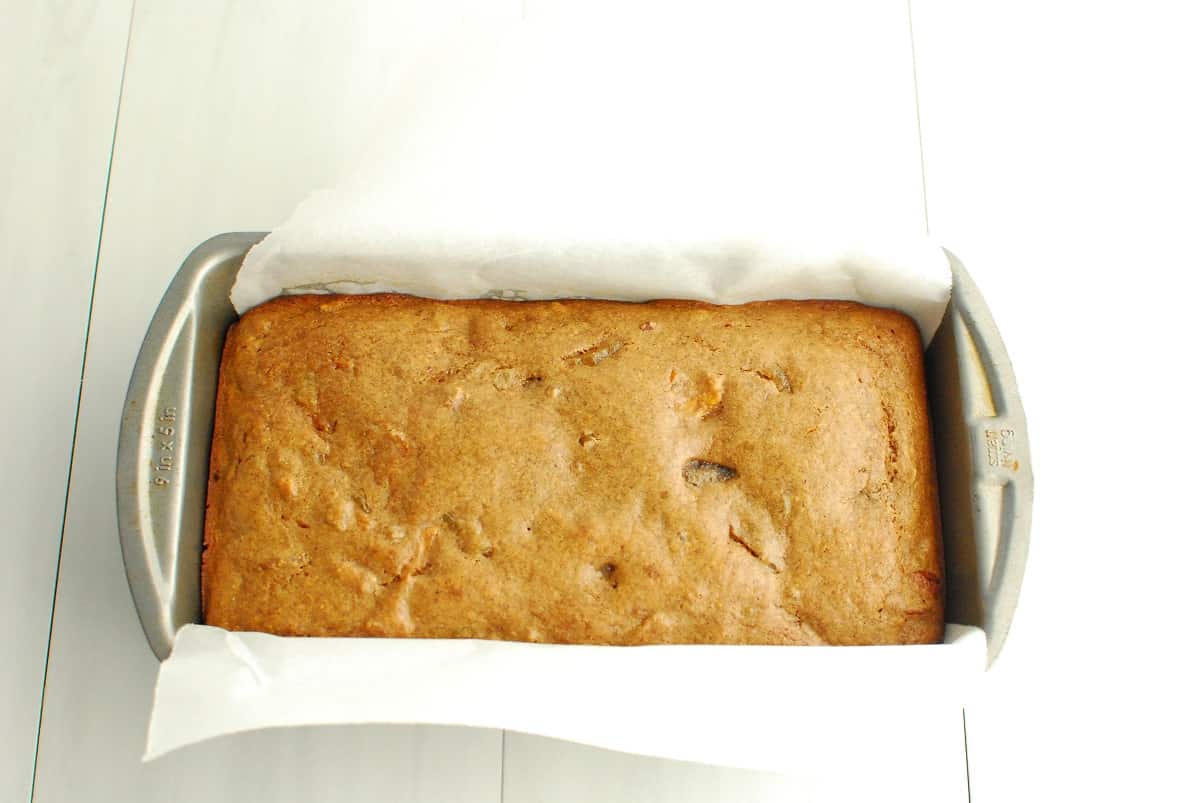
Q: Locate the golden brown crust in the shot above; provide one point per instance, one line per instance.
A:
(574, 471)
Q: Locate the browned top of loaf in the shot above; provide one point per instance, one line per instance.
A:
(573, 471)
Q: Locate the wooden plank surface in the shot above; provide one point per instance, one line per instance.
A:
(919, 760)
(58, 92)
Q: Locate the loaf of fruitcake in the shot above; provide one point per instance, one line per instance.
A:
(583, 472)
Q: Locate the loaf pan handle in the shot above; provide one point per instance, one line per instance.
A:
(165, 435)
(1002, 485)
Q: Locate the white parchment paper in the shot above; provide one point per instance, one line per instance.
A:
(542, 167)
(750, 707)
(561, 160)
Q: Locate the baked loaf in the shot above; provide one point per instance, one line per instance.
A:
(574, 472)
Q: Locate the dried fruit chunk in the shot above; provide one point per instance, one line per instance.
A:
(702, 472)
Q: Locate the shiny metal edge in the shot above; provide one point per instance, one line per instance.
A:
(1002, 465)
(164, 439)
(979, 429)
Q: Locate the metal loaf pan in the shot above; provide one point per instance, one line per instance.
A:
(985, 481)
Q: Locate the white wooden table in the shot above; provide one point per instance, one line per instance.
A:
(1058, 159)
